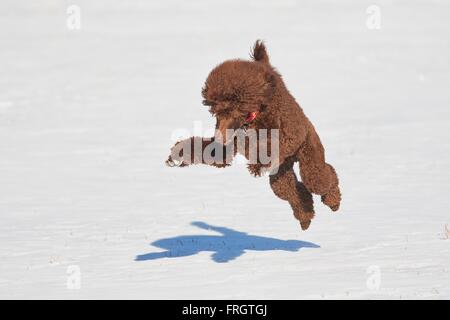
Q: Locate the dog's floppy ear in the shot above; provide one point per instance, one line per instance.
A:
(259, 52)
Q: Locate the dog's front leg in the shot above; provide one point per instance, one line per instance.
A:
(262, 158)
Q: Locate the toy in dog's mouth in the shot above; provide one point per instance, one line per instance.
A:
(251, 116)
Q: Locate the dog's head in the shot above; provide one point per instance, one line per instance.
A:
(236, 88)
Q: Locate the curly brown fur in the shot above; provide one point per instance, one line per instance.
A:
(235, 88)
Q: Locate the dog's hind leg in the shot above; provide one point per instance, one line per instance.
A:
(287, 187)
(318, 176)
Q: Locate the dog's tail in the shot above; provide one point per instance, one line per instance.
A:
(259, 52)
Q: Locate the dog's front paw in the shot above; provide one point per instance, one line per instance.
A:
(255, 169)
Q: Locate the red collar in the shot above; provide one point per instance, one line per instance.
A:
(251, 116)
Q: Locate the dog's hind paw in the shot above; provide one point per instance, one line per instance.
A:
(305, 224)
(332, 199)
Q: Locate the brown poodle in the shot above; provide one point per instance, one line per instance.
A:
(252, 95)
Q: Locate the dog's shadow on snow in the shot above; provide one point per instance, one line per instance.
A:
(225, 247)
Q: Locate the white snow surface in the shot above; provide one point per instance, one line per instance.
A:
(86, 123)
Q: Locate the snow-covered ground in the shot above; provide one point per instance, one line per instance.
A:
(86, 119)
